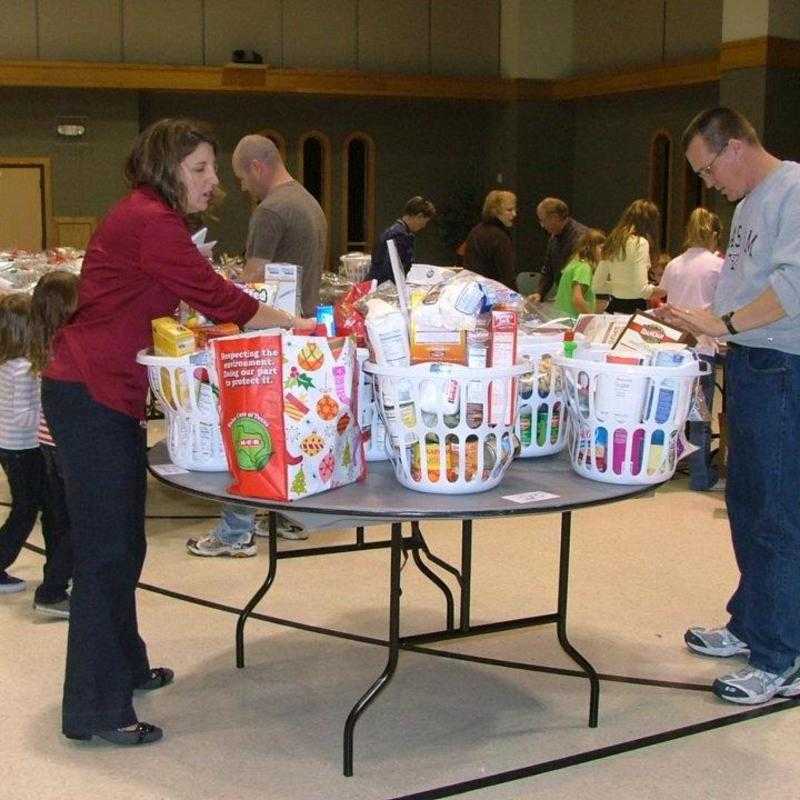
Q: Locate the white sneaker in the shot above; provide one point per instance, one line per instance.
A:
(750, 686)
(286, 529)
(717, 642)
(212, 546)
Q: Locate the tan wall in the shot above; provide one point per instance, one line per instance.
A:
(618, 34)
(460, 37)
(536, 39)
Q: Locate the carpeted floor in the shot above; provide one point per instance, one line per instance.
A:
(642, 571)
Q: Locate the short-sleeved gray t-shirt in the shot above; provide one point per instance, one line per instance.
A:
(289, 227)
(764, 252)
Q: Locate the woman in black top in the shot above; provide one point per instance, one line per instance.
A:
(489, 250)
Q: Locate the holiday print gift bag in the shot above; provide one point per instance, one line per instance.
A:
(288, 413)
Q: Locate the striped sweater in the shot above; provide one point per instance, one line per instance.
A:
(19, 405)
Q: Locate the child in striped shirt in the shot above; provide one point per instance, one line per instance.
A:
(19, 450)
(54, 301)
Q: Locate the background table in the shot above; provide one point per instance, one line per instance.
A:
(381, 496)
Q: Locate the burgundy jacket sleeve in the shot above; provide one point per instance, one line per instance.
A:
(170, 257)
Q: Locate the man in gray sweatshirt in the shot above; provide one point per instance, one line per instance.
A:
(756, 308)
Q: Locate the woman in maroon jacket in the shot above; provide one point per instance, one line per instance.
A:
(139, 264)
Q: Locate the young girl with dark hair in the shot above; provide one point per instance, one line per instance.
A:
(55, 298)
(19, 450)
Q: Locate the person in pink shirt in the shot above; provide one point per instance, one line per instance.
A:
(139, 264)
(690, 281)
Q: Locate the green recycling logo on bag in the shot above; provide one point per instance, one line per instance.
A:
(252, 442)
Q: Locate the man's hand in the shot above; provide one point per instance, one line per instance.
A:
(694, 320)
(534, 298)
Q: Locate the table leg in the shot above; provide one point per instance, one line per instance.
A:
(466, 572)
(418, 543)
(394, 650)
(272, 564)
(561, 622)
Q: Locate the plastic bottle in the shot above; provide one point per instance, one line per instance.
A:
(600, 448)
(570, 345)
(541, 424)
(555, 423)
(525, 425)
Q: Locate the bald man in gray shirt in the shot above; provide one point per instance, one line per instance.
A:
(288, 226)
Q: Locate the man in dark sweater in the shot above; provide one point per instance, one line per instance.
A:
(564, 233)
(417, 213)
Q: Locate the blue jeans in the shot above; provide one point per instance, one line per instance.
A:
(763, 487)
(235, 524)
(702, 475)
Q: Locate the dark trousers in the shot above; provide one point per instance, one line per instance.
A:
(616, 305)
(55, 529)
(104, 465)
(25, 473)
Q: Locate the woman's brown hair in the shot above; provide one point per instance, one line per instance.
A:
(15, 326)
(157, 153)
(54, 301)
(586, 249)
(640, 218)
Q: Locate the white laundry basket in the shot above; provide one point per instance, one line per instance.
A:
(369, 419)
(450, 428)
(541, 421)
(184, 390)
(624, 420)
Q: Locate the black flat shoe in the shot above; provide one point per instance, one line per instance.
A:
(160, 676)
(143, 733)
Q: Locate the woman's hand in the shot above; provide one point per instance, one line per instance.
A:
(304, 324)
(694, 320)
(271, 317)
(533, 298)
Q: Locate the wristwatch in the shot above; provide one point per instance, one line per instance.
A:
(726, 318)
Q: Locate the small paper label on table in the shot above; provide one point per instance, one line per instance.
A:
(530, 497)
(169, 469)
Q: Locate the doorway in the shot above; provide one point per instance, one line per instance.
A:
(25, 205)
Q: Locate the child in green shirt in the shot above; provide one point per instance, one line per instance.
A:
(575, 295)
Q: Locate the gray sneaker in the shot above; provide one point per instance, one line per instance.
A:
(212, 546)
(286, 529)
(750, 686)
(59, 609)
(718, 642)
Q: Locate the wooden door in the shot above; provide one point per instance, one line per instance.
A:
(25, 220)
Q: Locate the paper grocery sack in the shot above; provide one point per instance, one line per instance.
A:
(288, 413)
